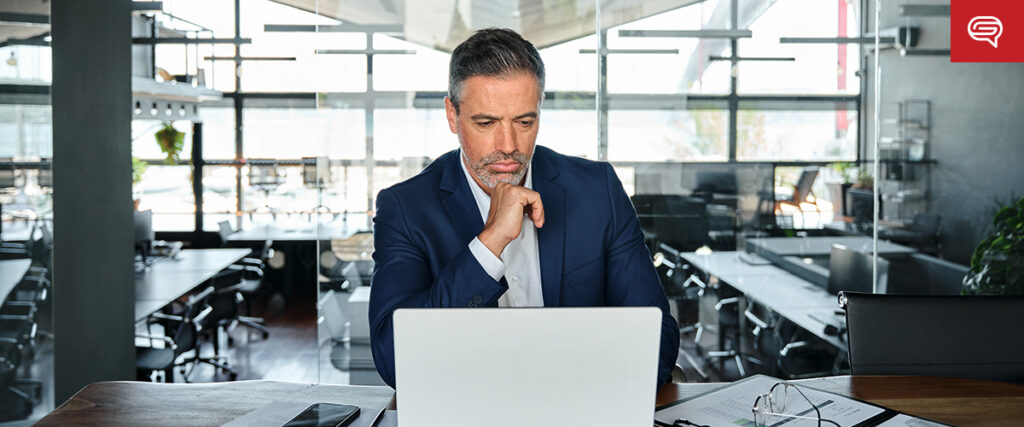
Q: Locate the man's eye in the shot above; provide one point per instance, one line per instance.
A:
(526, 123)
(484, 124)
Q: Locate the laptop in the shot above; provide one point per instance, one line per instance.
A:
(527, 366)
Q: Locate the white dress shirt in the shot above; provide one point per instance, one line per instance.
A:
(519, 262)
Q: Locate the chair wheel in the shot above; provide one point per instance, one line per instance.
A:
(232, 376)
(266, 335)
(231, 341)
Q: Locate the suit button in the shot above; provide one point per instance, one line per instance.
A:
(478, 299)
(472, 304)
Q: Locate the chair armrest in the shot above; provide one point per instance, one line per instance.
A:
(202, 316)
(726, 301)
(163, 316)
(754, 319)
(251, 261)
(167, 340)
(693, 279)
(791, 346)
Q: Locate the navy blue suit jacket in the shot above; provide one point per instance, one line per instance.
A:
(592, 252)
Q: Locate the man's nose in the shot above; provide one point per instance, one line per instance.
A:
(505, 139)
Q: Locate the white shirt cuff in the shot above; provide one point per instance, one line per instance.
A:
(491, 264)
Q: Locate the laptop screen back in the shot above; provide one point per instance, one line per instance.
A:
(527, 367)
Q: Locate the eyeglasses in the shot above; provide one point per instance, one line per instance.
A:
(783, 402)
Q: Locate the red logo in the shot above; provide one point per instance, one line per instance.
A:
(986, 31)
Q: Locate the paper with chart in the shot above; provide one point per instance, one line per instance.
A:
(733, 405)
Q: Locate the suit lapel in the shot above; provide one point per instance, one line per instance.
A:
(551, 237)
(459, 204)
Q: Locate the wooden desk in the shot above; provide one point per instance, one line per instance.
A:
(11, 272)
(212, 404)
(955, 401)
(169, 279)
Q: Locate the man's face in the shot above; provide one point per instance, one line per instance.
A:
(497, 126)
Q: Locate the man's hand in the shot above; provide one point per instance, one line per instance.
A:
(505, 221)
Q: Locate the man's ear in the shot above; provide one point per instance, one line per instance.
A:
(449, 110)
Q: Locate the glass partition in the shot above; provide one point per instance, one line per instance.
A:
(26, 214)
(745, 132)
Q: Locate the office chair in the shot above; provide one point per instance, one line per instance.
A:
(181, 335)
(787, 350)
(227, 302)
(802, 193)
(265, 177)
(974, 337)
(252, 267)
(17, 353)
(922, 234)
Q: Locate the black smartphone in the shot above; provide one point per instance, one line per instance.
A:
(325, 415)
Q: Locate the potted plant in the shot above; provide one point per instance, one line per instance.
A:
(138, 170)
(997, 267)
(171, 142)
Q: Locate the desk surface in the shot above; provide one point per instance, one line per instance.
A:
(17, 231)
(299, 232)
(822, 245)
(956, 401)
(796, 299)
(169, 279)
(11, 272)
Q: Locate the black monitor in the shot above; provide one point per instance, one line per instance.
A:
(849, 270)
(716, 182)
(862, 206)
(144, 235)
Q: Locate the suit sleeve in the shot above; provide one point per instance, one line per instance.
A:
(631, 279)
(402, 278)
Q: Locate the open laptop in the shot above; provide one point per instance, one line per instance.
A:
(527, 366)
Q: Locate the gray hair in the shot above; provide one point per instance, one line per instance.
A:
(493, 52)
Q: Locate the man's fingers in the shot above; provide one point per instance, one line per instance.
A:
(536, 208)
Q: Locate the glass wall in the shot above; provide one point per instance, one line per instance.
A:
(738, 127)
(26, 216)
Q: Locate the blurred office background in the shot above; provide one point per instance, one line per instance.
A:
(745, 131)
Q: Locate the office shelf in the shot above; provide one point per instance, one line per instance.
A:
(904, 161)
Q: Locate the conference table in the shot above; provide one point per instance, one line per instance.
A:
(961, 402)
(822, 246)
(168, 279)
(809, 306)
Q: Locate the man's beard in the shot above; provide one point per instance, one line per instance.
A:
(491, 178)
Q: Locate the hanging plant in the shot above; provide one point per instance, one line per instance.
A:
(171, 142)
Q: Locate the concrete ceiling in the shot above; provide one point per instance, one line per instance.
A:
(443, 24)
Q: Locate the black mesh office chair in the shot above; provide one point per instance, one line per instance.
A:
(181, 335)
(227, 302)
(974, 337)
(787, 350)
(18, 393)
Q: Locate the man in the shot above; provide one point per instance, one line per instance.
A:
(502, 223)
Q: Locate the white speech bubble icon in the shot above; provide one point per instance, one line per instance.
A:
(985, 29)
